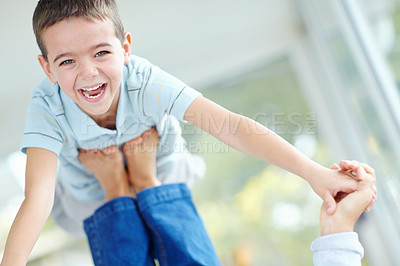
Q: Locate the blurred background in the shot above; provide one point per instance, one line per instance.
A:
(322, 74)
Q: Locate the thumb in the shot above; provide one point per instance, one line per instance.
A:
(330, 204)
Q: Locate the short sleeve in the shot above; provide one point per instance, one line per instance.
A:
(41, 129)
(165, 94)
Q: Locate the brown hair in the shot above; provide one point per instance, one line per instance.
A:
(49, 12)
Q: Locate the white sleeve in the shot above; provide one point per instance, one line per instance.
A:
(342, 249)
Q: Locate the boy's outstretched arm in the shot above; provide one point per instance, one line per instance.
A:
(39, 197)
(248, 136)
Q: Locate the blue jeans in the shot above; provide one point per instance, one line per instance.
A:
(160, 223)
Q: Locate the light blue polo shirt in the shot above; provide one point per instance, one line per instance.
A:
(149, 96)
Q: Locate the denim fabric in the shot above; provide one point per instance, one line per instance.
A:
(117, 235)
(162, 221)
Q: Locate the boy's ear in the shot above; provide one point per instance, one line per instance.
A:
(46, 68)
(127, 45)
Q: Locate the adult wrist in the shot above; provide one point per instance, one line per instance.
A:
(330, 227)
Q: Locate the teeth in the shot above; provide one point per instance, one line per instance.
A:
(86, 94)
(92, 89)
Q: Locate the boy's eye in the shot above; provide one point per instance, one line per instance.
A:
(101, 53)
(66, 62)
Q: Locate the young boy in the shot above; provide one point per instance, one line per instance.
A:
(97, 95)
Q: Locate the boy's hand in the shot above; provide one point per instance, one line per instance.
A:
(331, 184)
(337, 183)
(350, 207)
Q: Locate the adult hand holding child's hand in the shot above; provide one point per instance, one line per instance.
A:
(331, 183)
(338, 244)
(350, 206)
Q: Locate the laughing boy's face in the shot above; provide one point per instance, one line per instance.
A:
(86, 59)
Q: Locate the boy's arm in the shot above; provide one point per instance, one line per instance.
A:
(248, 136)
(39, 197)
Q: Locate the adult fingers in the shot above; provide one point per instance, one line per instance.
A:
(359, 172)
(369, 169)
(374, 198)
(348, 185)
(350, 168)
(344, 165)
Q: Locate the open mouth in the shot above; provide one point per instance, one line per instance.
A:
(93, 94)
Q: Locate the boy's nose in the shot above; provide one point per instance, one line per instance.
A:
(88, 70)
